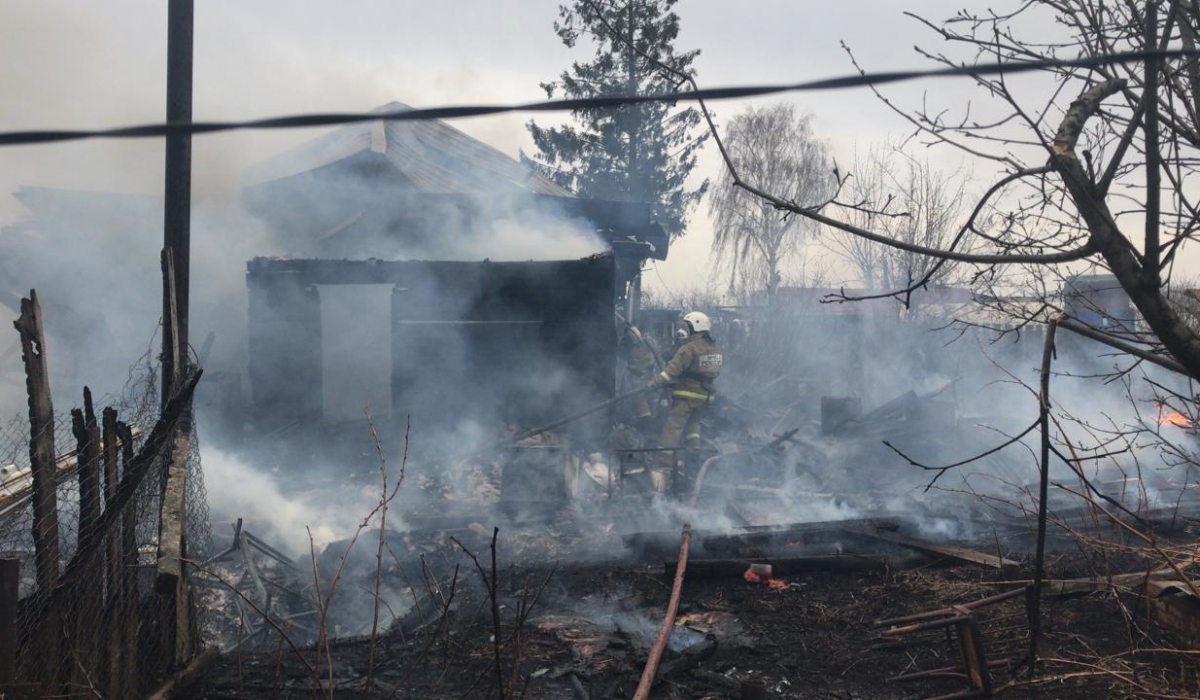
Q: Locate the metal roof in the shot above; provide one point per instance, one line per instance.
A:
(433, 156)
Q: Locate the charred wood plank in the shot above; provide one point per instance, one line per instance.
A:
(690, 658)
(735, 568)
(755, 535)
(111, 444)
(41, 441)
(961, 553)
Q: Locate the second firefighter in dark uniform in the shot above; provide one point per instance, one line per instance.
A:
(690, 373)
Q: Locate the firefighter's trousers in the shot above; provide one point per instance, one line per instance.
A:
(683, 423)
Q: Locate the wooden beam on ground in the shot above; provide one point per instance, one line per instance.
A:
(41, 443)
(954, 552)
(736, 568)
(757, 535)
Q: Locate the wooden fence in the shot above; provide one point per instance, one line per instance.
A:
(95, 593)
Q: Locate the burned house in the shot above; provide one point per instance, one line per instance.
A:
(476, 291)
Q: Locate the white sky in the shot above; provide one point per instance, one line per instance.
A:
(90, 64)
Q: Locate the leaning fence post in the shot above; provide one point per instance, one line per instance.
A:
(41, 442)
(10, 582)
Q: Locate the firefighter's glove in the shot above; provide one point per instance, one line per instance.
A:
(660, 379)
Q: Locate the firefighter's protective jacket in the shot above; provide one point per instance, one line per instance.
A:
(694, 367)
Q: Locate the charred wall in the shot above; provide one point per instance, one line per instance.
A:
(489, 343)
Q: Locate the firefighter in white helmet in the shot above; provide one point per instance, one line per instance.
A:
(690, 374)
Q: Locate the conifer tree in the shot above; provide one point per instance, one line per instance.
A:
(640, 152)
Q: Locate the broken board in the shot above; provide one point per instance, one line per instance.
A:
(954, 552)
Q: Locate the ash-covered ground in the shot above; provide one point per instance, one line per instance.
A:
(581, 630)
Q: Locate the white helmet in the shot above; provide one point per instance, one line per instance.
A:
(697, 322)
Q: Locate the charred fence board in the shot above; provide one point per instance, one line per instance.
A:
(954, 552)
(87, 440)
(42, 456)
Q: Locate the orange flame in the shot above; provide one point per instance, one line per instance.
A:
(1175, 418)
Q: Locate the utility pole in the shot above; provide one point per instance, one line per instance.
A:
(177, 204)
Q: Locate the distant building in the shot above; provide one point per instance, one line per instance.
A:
(1100, 302)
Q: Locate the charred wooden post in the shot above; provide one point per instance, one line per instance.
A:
(41, 442)
(10, 581)
(109, 445)
(113, 625)
(126, 662)
(110, 441)
(83, 426)
(83, 599)
(177, 192)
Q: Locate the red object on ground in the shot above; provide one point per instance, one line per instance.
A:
(753, 576)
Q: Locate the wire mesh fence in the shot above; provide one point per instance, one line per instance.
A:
(95, 614)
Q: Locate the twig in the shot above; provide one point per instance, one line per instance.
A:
(433, 638)
(384, 500)
(490, 585)
(1039, 565)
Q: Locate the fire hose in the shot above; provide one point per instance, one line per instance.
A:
(668, 625)
(582, 414)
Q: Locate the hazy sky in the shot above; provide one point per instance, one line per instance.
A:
(91, 64)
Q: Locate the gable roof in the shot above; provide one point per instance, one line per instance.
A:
(434, 157)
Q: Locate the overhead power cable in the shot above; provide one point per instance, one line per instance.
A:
(41, 136)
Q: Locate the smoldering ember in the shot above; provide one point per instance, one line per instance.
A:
(874, 385)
